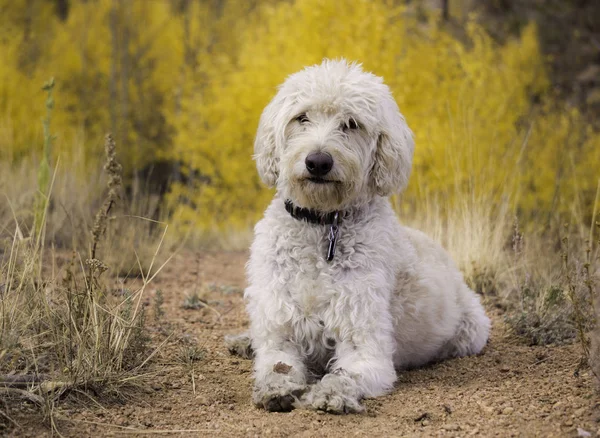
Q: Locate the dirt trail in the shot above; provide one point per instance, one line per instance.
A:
(510, 390)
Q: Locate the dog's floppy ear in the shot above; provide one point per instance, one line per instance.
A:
(265, 144)
(395, 146)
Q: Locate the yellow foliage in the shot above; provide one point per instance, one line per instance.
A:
(187, 81)
(469, 104)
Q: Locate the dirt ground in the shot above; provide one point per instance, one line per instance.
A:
(510, 390)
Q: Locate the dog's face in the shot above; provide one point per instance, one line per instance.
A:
(332, 138)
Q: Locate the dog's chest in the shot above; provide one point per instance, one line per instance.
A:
(312, 287)
(312, 282)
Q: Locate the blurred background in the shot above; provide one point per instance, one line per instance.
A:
(502, 97)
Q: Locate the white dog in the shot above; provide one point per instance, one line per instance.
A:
(337, 287)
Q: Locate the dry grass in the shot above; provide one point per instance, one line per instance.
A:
(545, 279)
(65, 327)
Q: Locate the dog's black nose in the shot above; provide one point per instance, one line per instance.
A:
(319, 163)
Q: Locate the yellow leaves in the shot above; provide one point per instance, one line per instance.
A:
(464, 105)
(467, 103)
(188, 80)
(559, 168)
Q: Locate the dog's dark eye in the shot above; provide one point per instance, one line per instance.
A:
(350, 124)
(302, 118)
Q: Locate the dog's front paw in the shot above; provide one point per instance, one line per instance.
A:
(277, 398)
(335, 403)
(336, 393)
(278, 402)
(278, 392)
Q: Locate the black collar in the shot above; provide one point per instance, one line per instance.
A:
(309, 215)
(314, 217)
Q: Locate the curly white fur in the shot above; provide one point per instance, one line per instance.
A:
(391, 298)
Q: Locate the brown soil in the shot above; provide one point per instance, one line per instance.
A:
(510, 390)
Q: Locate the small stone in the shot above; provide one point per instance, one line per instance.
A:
(487, 409)
(202, 400)
(540, 355)
(508, 410)
(423, 416)
(451, 427)
(425, 423)
(569, 423)
(582, 432)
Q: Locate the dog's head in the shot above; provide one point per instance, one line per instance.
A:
(333, 137)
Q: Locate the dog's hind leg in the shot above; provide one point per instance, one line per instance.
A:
(472, 333)
(240, 345)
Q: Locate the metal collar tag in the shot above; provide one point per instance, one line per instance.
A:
(333, 236)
